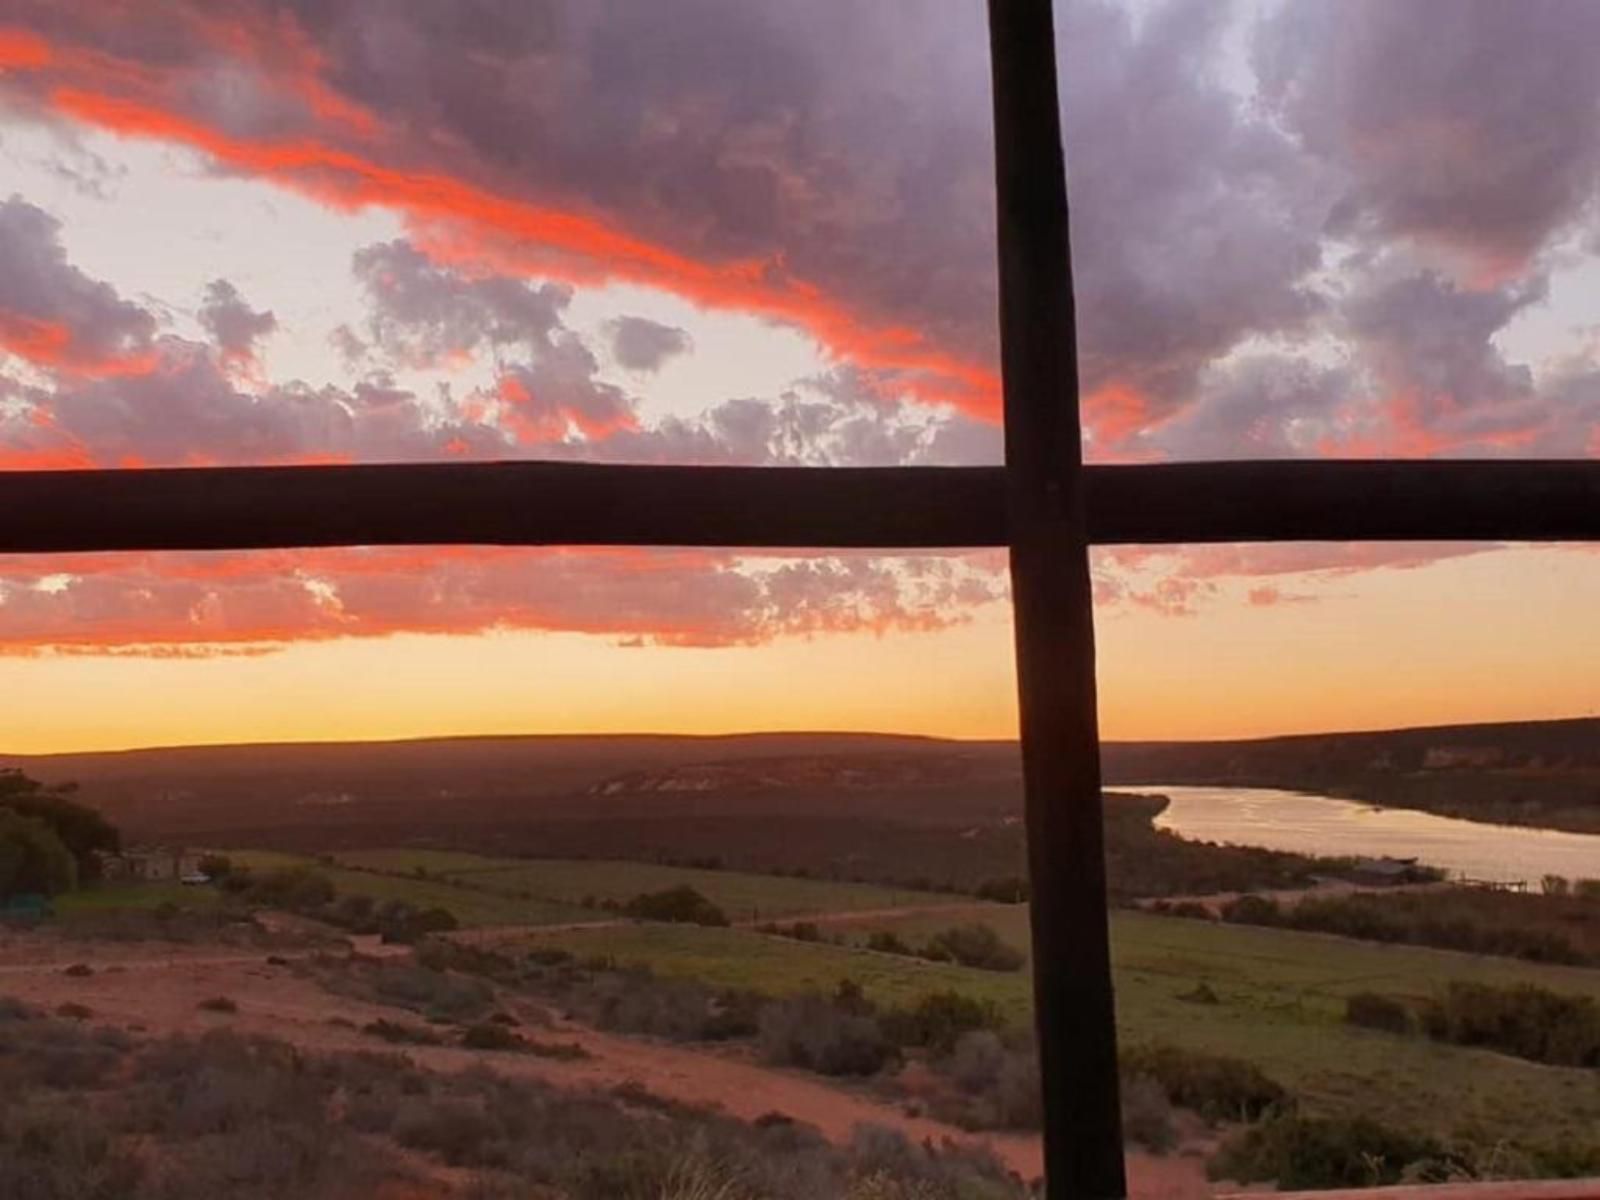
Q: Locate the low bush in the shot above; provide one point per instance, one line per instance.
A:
(1009, 890)
(219, 1004)
(886, 942)
(1527, 1021)
(1304, 1153)
(1373, 1011)
(997, 1082)
(1215, 1086)
(975, 946)
(1553, 927)
(401, 1033)
(939, 1019)
(441, 995)
(814, 1033)
(681, 905)
(487, 1035)
(1147, 1118)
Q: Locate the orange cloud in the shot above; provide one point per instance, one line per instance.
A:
(558, 244)
(20, 49)
(51, 344)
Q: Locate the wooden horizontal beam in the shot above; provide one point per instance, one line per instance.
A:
(891, 508)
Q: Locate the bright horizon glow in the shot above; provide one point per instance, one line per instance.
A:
(1375, 650)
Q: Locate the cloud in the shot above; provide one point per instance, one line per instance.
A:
(51, 313)
(825, 165)
(641, 344)
(424, 313)
(1322, 258)
(233, 325)
(164, 604)
(1467, 124)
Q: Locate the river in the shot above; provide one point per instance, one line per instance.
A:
(1313, 824)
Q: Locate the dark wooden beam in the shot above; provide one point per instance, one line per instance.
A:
(1053, 607)
(575, 504)
(253, 508)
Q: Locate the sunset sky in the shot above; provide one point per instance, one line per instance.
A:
(730, 231)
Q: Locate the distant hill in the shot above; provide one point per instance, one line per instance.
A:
(1533, 772)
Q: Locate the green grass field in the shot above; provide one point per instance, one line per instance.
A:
(1281, 1003)
(114, 897)
(744, 897)
(471, 908)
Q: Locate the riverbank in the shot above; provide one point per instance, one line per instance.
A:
(1304, 823)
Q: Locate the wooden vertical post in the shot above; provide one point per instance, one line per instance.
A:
(1051, 598)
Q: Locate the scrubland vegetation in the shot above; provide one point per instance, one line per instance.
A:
(1545, 928)
(90, 1112)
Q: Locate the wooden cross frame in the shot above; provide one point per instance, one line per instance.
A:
(1044, 505)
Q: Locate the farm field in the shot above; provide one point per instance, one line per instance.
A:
(1280, 997)
(743, 896)
(472, 908)
(119, 896)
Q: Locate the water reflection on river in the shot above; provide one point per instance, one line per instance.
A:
(1313, 824)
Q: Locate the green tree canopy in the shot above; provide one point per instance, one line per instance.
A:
(81, 829)
(32, 858)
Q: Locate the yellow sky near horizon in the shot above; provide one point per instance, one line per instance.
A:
(1496, 636)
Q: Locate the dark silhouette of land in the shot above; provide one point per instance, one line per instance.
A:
(584, 791)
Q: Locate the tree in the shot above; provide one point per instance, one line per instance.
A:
(32, 858)
(681, 904)
(82, 830)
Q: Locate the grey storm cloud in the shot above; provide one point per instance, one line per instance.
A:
(641, 344)
(851, 143)
(1474, 123)
(846, 147)
(231, 322)
(70, 318)
(423, 313)
(1257, 259)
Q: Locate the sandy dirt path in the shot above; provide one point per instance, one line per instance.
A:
(159, 993)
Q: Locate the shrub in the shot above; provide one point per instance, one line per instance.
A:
(1253, 910)
(401, 1032)
(810, 1032)
(1147, 1115)
(1526, 1021)
(74, 1012)
(999, 1082)
(487, 1035)
(681, 905)
(216, 866)
(549, 956)
(458, 1131)
(975, 946)
(61, 1151)
(219, 1004)
(1304, 1153)
(1010, 890)
(886, 942)
(295, 889)
(79, 970)
(1216, 1087)
(939, 1019)
(1373, 1011)
(433, 993)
